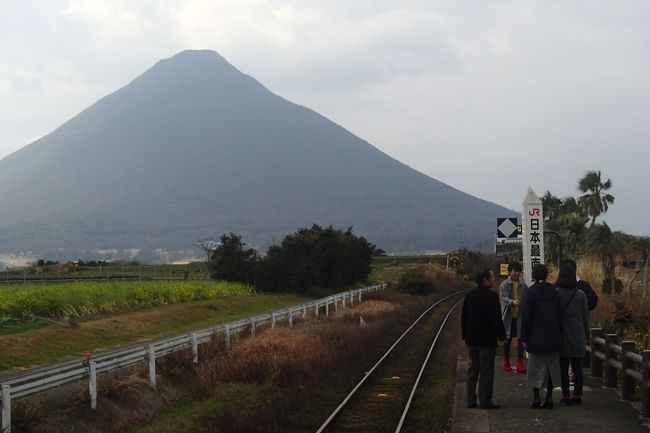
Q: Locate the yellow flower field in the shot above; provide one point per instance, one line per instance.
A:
(78, 299)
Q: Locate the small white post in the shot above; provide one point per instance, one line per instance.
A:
(290, 317)
(6, 409)
(359, 296)
(253, 326)
(195, 348)
(327, 307)
(351, 298)
(304, 312)
(226, 333)
(92, 384)
(343, 299)
(273, 319)
(316, 308)
(152, 365)
(336, 303)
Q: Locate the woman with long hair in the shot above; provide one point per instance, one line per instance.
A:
(575, 332)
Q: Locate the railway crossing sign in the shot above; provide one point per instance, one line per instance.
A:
(507, 228)
(508, 237)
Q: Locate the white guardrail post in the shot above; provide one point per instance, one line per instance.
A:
(272, 319)
(6, 409)
(343, 301)
(290, 317)
(316, 308)
(195, 348)
(327, 307)
(304, 312)
(226, 336)
(92, 384)
(152, 365)
(253, 326)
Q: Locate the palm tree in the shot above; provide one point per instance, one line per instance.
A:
(594, 199)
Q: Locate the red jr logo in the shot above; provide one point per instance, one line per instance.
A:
(533, 212)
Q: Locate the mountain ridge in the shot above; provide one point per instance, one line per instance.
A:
(193, 148)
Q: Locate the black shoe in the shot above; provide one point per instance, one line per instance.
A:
(536, 405)
(490, 406)
(548, 404)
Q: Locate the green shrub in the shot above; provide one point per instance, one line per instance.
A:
(416, 282)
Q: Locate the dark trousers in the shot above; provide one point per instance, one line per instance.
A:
(513, 333)
(578, 377)
(481, 370)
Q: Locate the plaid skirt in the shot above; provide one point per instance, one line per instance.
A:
(540, 366)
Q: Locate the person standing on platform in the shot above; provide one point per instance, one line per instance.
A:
(481, 328)
(512, 292)
(575, 332)
(592, 297)
(541, 335)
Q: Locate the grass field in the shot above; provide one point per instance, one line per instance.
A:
(388, 269)
(18, 302)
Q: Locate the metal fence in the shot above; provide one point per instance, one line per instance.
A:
(621, 365)
(56, 375)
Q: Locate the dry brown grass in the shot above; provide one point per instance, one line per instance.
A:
(108, 385)
(277, 354)
(26, 414)
(293, 362)
(369, 310)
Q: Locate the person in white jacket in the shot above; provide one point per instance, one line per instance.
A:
(511, 293)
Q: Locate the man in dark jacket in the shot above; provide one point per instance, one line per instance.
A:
(481, 327)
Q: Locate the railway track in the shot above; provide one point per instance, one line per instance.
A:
(380, 402)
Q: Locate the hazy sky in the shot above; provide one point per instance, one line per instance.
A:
(487, 96)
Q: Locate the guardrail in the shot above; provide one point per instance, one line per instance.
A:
(56, 375)
(621, 365)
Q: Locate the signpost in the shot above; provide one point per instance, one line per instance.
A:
(533, 233)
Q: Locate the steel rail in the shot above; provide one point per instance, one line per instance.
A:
(378, 363)
(424, 366)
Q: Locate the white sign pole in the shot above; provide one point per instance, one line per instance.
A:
(533, 233)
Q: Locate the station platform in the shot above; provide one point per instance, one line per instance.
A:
(602, 410)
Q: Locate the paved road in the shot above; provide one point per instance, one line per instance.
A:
(602, 411)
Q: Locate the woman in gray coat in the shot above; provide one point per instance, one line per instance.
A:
(575, 333)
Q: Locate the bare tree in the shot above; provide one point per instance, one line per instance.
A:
(208, 246)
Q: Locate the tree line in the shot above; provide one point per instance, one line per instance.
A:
(309, 259)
